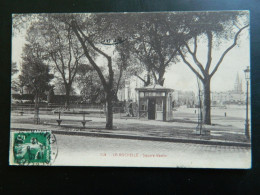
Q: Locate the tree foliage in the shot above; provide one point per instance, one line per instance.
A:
(89, 84)
(34, 72)
(61, 48)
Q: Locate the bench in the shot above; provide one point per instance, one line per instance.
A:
(83, 122)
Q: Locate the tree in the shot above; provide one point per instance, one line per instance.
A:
(214, 28)
(62, 48)
(124, 61)
(59, 87)
(34, 74)
(14, 69)
(50, 96)
(90, 30)
(90, 85)
(154, 44)
(15, 85)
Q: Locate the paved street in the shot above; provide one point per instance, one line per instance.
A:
(92, 151)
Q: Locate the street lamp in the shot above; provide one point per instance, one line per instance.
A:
(247, 76)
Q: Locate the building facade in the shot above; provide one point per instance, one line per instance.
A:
(235, 96)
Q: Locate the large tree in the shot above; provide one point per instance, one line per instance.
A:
(62, 48)
(35, 74)
(154, 45)
(213, 29)
(90, 30)
(90, 85)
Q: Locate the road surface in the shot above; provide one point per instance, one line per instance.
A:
(96, 151)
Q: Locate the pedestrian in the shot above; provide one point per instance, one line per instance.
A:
(130, 107)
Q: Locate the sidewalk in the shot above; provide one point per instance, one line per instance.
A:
(129, 128)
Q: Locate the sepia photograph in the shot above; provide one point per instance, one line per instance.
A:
(131, 89)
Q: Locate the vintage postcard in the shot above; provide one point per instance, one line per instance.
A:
(157, 89)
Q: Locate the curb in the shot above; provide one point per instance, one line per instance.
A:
(175, 140)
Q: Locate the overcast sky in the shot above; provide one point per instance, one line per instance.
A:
(179, 76)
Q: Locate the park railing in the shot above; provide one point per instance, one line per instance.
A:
(94, 109)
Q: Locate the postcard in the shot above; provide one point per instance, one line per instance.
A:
(144, 89)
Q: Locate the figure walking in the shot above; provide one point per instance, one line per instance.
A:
(130, 108)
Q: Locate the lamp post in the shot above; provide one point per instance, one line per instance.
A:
(247, 76)
(199, 127)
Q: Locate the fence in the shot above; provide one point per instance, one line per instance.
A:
(94, 110)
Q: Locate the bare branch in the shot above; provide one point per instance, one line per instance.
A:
(95, 66)
(57, 66)
(195, 58)
(109, 60)
(195, 45)
(140, 78)
(76, 65)
(171, 57)
(190, 66)
(70, 55)
(227, 50)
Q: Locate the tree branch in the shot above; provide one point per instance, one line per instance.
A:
(140, 78)
(195, 58)
(155, 77)
(57, 66)
(109, 61)
(227, 50)
(119, 79)
(195, 45)
(70, 55)
(190, 66)
(95, 66)
(75, 68)
(209, 35)
(171, 57)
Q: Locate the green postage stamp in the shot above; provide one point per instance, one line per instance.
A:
(32, 148)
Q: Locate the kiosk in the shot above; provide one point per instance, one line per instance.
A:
(155, 102)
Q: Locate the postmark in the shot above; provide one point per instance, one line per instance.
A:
(34, 147)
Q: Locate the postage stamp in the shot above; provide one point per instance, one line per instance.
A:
(32, 148)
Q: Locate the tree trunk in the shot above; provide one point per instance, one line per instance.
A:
(148, 80)
(36, 109)
(67, 96)
(109, 111)
(160, 78)
(161, 81)
(206, 102)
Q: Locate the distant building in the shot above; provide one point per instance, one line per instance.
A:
(184, 98)
(235, 96)
(238, 85)
(128, 92)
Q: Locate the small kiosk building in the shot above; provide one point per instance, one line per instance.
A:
(155, 102)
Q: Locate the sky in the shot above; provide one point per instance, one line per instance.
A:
(179, 76)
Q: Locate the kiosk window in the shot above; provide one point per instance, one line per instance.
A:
(143, 105)
(159, 105)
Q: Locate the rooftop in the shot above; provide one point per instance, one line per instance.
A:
(154, 87)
